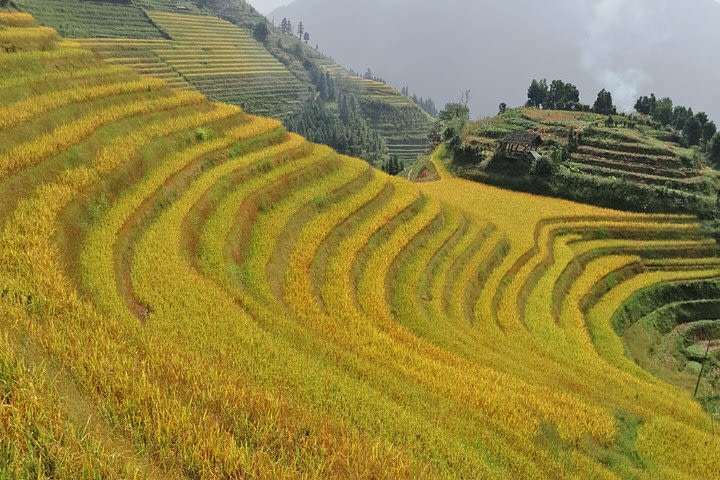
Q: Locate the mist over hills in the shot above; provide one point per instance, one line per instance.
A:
(439, 49)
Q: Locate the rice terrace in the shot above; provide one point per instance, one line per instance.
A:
(190, 290)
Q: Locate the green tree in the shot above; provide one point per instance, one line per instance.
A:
(545, 166)
(300, 30)
(563, 96)
(465, 99)
(322, 86)
(451, 122)
(604, 103)
(261, 32)
(452, 133)
(714, 149)
(537, 93)
(646, 105)
(453, 111)
(330, 86)
(693, 131)
(709, 130)
(306, 37)
(393, 165)
(680, 117)
(663, 112)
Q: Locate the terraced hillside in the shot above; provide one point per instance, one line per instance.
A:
(648, 158)
(402, 123)
(189, 291)
(83, 18)
(190, 46)
(219, 59)
(404, 126)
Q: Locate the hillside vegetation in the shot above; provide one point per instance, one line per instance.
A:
(615, 161)
(186, 44)
(189, 291)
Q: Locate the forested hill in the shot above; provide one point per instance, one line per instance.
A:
(228, 51)
(495, 48)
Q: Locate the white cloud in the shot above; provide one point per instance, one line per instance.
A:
(620, 29)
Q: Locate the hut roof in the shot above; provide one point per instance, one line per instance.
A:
(525, 139)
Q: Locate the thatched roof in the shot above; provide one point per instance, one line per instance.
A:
(523, 139)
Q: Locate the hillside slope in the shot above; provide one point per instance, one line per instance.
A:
(189, 291)
(401, 122)
(190, 46)
(631, 164)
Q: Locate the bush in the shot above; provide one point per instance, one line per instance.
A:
(204, 134)
(544, 167)
(261, 32)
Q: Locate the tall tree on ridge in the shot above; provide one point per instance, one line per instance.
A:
(604, 103)
(537, 93)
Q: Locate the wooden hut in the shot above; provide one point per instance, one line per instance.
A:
(520, 145)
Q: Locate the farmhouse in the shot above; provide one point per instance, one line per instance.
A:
(520, 145)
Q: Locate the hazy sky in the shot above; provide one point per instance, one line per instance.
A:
(495, 47)
(266, 6)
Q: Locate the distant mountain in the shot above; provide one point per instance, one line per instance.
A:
(265, 6)
(495, 48)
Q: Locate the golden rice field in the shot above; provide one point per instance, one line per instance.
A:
(188, 291)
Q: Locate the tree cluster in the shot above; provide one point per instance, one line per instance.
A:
(696, 128)
(346, 131)
(286, 28)
(427, 104)
(393, 165)
(369, 75)
(449, 126)
(325, 84)
(558, 95)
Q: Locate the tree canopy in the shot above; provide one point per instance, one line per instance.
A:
(558, 95)
(696, 128)
(537, 93)
(604, 103)
(261, 32)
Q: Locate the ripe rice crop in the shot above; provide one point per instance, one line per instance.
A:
(189, 291)
(17, 39)
(16, 19)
